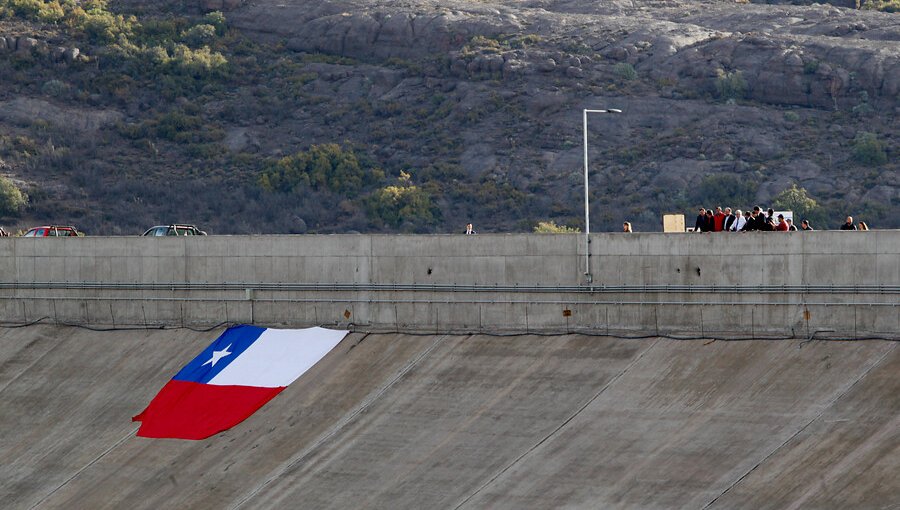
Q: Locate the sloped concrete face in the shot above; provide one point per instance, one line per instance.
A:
(420, 421)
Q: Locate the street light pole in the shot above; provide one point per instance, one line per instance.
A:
(587, 209)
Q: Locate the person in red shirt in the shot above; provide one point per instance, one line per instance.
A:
(782, 225)
(718, 220)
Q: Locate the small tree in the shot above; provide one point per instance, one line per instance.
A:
(798, 200)
(868, 150)
(404, 205)
(550, 227)
(12, 199)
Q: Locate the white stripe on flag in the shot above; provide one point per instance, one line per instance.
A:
(278, 357)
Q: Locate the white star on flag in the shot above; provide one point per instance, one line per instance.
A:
(217, 355)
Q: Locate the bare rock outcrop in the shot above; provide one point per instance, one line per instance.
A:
(803, 55)
(31, 46)
(24, 111)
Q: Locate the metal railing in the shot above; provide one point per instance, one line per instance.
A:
(454, 288)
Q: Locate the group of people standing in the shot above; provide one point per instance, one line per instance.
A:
(739, 221)
(848, 225)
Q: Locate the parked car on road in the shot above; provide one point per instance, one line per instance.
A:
(53, 231)
(174, 230)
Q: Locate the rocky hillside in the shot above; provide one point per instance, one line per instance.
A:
(334, 116)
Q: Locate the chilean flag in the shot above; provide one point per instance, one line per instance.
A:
(236, 375)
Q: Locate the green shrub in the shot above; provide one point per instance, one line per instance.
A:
(216, 19)
(180, 126)
(863, 107)
(198, 63)
(35, 10)
(625, 71)
(160, 31)
(177, 126)
(322, 167)
(199, 35)
(550, 227)
(103, 27)
(55, 88)
(20, 146)
(731, 85)
(881, 5)
(524, 41)
(868, 150)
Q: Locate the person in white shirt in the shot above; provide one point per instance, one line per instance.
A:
(739, 221)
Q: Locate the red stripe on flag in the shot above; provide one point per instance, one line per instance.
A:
(190, 410)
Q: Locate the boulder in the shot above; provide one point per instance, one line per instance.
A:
(617, 53)
(546, 65)
(58, 53)
(72, 54)
(26, 44)
(24, 111)
(494, 63)
(574, 72)
(238, 139)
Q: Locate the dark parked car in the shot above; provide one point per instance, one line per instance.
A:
(174, 230)
(53, 231)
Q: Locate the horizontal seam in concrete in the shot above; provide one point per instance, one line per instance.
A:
(804, 427)
(83, 468)
(558, 428)
(365, 404)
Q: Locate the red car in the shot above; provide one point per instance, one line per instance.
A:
(53, 231)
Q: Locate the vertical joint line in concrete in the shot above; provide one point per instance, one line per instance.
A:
(526, 320)
(558, 428)
(804, 427)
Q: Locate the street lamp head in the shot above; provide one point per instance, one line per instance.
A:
(607, 110)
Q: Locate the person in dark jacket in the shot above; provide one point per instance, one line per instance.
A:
(729, 220)
(751, 224)
(700, 224)
(848, 225)
(760, 222)
(806, 225)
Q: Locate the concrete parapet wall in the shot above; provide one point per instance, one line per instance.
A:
(829, 283)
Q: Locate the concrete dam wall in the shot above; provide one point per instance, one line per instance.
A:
(801, 284)
(482, 371)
